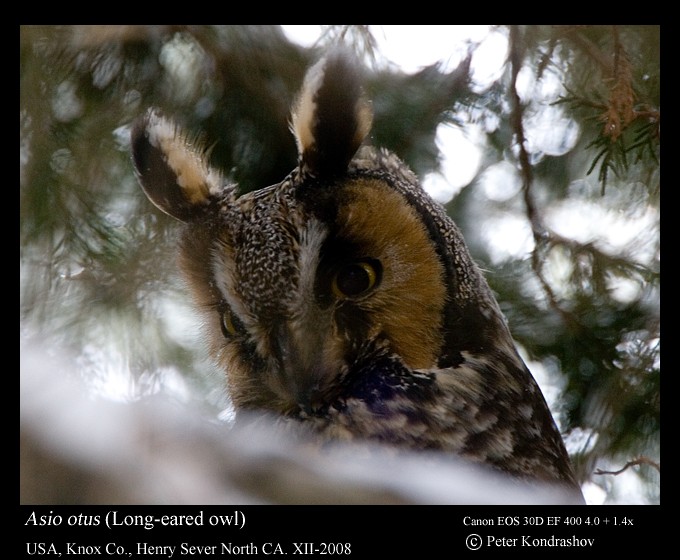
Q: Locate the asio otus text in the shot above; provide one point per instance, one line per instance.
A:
(344, 297)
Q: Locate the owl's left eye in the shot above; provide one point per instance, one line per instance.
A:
(229, 323)
(356, 278)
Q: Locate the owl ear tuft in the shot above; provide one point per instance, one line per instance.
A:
(331, 117)
(172, 169)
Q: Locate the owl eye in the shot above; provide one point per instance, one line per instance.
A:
(230, 324)
(355, 279)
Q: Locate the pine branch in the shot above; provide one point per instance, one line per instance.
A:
(639, 461)
(540, 233)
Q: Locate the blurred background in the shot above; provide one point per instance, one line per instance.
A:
(542, 142)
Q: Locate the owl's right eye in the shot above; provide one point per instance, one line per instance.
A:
(230, 324)
(356, 278)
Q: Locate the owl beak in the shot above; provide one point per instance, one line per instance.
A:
(303, 370)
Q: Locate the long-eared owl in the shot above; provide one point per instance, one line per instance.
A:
(344, 297)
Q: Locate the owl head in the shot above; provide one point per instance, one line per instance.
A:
(344, 259)
(344, 295)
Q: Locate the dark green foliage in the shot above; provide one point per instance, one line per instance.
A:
(97, 261)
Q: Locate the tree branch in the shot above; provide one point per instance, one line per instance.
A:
(540, 232)
(639, 461)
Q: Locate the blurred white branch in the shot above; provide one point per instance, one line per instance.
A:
(78, 449)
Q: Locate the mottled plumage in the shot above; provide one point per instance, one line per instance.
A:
(344, 297)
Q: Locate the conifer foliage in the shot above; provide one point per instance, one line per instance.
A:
(569, 137)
